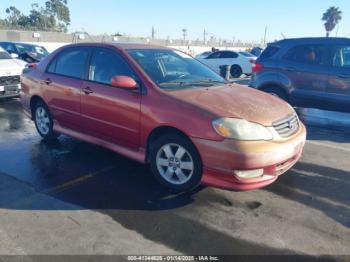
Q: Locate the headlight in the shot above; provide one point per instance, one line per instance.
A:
(241, 129)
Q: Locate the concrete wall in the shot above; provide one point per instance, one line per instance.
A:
(54, 40)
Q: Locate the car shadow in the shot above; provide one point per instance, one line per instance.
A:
(328, 134)
(319, 187)
(89, 177)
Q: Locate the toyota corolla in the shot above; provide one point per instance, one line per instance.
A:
(160, 106)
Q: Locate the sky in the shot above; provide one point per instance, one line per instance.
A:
(225, 19)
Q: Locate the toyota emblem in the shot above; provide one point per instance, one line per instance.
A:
(291, 125)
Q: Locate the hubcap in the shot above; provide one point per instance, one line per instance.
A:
(42, 120)
(175, 164)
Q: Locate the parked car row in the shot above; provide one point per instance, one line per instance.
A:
(13, 60)
(163, 107)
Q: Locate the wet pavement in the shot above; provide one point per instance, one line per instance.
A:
(70, 197)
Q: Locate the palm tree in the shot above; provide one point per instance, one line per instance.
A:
(331, 17)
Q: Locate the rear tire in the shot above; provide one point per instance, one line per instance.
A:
(176, 163)
(236, 71)
(43, 121)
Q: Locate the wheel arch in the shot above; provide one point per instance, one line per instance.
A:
(162, 130)
(268, 85)
(33, 100)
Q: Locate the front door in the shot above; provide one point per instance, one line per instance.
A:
(339, 79)
(307, 67)
(110, 113)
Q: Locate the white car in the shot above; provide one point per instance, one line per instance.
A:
(240, 62)
(10, 71)
(203, 55)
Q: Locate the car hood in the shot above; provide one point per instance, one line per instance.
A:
(10, 67)
(237, 101)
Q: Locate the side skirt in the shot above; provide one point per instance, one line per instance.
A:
(139, 156)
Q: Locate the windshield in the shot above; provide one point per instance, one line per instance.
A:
(38, 50)
(171, 69)
(4, 55)
(246, 54)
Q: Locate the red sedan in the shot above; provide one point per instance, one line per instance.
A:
(160, 106)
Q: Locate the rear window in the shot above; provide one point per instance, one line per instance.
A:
(270, 51)
(246, 54)
(70, 63)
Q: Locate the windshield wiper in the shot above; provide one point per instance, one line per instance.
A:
(207, 81)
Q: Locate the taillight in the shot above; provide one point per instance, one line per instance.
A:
(256, 68)
(31, 65)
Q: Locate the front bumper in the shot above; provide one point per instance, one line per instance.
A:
(10, 91)
(221, 158)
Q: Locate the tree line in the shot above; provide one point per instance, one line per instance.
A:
(53, 16)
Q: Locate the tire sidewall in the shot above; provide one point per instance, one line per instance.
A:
(239, 69)
(197, 162)
(51, 134)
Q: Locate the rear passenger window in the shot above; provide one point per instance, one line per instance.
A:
(307, 54)
(71, 63)
(269, 52)
(228, 55)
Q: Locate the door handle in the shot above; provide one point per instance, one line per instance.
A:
(87, 91)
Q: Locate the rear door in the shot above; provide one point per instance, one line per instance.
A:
(110, 113)
(61, 85)
(307, 68)
(339, 79)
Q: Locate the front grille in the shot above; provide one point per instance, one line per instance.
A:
(9, 80)
(287, 126)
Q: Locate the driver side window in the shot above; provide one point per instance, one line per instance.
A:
(106, 64)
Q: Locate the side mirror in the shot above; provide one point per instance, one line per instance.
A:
(13, 55)
(124, 82)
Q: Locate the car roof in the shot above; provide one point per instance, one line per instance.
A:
(121, 46)
(311, 40)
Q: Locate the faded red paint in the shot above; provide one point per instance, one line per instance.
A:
(123, 121)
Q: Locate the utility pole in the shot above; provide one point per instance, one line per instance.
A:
(205, 33)
(153, 32)
(184, 34)
(265, 35)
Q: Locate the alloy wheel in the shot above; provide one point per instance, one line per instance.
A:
(42, 120)
(175, 164)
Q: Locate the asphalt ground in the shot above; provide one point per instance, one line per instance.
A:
(73, 198)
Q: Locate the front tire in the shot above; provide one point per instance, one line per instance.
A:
(176, 163)
(43, 122)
